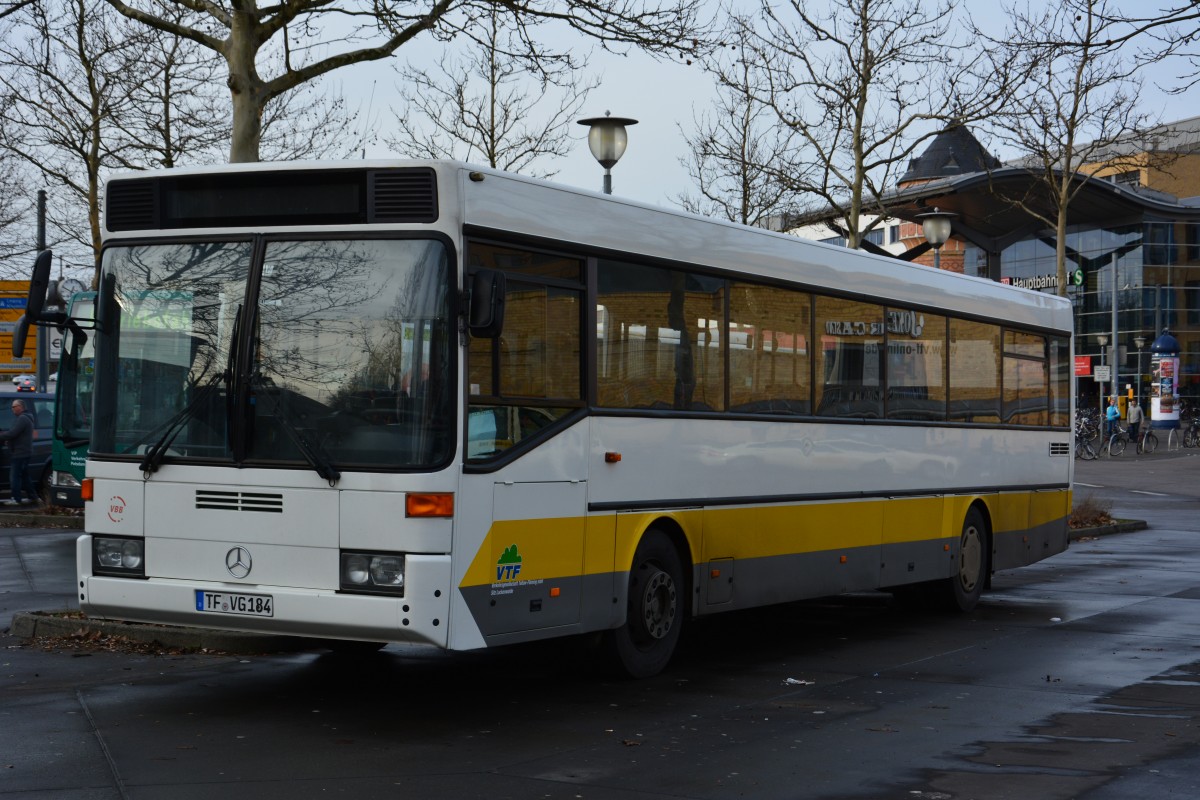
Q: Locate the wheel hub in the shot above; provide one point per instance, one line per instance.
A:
(658, 604)
(970, 559)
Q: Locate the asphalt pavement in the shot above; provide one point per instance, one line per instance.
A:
(1075, 679)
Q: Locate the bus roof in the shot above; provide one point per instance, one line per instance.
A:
(490, 200)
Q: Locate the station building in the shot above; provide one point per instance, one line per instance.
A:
(1133, 243)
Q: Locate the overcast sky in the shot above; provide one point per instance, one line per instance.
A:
(662, 96)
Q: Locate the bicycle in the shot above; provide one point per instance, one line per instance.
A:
(1085, 433)
(1191, 436)
(1087, 423)
(1084, 449)
(1118, 441)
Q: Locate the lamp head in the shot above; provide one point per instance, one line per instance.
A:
(936, 225)
(607, 138)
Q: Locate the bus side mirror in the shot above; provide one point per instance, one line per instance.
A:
(20, 334)
(39, 284)
(486, 314)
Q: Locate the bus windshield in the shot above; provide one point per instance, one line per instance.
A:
(76, 373)
(328, 351)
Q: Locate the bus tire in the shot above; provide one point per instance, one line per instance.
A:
(656, 605)
(44, 492)
(965, 587)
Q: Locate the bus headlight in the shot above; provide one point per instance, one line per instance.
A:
(58, 478)
(119, 556)
(373, 572)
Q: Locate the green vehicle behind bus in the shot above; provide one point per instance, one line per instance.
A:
(73, 405)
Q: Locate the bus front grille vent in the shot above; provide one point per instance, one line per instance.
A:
(1060, 448)
(403, 195)
(239, 501)
(132, 205)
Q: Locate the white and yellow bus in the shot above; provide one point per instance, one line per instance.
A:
(431, 403)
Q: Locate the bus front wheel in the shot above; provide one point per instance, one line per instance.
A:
(656, 605)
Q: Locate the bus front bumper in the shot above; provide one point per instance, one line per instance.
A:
(321, 614)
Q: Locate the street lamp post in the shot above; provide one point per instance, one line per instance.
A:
(1140, 341)
(1102, 340)
(935, 225)
(607, 140)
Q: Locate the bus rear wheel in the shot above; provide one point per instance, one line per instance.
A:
(656, 605)
(964, 588)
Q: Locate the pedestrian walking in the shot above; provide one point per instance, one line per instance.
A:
(20, 440)
(1135, 419)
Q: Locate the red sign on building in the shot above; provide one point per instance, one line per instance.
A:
(1083, 366)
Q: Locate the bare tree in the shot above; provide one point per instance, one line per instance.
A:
(9, 7)
(1077, 114)
(481, 107)
(178, 110)
(1167, 31)
(16, 231)
(861, 87)
(69, 74)
(317, 37)
(88, 92)
(734, 150)
(180, 117)
(304, 124)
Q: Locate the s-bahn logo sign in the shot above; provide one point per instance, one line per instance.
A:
(1041, 282)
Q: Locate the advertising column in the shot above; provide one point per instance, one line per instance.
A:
(1164, 383)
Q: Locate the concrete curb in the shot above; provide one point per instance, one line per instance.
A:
(32, 519)
(1120, 526)
(55, 624)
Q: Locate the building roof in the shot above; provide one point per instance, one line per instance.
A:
(954, 151)
(1003, 206)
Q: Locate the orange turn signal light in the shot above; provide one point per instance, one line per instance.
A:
(555, 591)
(611, 457)
(86, 489)
(429, 504)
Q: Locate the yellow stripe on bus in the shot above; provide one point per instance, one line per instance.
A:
(551, 548)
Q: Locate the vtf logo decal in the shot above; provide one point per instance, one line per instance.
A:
(509, 565)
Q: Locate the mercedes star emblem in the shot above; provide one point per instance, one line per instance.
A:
(238, 562)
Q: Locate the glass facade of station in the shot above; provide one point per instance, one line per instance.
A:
(1150, 270)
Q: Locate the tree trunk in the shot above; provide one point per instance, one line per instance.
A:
(1060, 248)
(246, 88)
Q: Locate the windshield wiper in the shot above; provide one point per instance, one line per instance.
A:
(313, 453)
(154, 456)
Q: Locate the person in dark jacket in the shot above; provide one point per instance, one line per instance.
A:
(20, 441)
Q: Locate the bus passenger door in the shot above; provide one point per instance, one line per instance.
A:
(536, 543)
